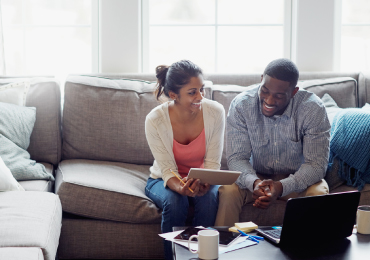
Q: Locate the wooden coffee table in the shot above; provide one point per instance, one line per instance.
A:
(355, 247)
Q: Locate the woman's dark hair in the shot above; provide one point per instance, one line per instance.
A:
(283, 69)
(174, 77)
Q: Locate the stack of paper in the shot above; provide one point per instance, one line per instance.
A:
(246, 227)
(240, 242)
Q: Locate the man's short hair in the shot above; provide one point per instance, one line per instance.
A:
(283, 69)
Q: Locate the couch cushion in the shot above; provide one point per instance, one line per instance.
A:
(37, 185)
(30, 219)
(44, 94)
(106, 190)
(234, 79)
(40, 185)
(342, 89)
(21, 253)
(46, 138)
(104, 119)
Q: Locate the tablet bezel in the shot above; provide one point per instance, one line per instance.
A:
(214, 177)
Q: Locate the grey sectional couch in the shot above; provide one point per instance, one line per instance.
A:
(101, 161)
(105, 159)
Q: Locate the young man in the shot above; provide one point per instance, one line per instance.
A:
(278, 137)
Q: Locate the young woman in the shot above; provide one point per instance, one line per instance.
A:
(187, 132)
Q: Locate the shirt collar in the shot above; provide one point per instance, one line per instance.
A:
(289, 109)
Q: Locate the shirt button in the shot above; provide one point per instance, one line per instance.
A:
(275, 124)
(277, 161)
(275, 143)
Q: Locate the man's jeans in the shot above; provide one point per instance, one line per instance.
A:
(175, 208)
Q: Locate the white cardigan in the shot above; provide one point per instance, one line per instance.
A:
(158, 131)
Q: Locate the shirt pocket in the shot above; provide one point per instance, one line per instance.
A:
(289, 132)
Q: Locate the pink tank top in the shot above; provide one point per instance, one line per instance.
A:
(190, 155)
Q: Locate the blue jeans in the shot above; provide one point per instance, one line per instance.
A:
(175, 208)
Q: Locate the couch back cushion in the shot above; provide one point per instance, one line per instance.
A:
(104, 119)
(46, 139)
(224, 94)
(343, 90)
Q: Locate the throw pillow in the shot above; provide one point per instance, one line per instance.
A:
(332, 177)
(331, 107)
(14, 93)
(16, 125)
(7, 181)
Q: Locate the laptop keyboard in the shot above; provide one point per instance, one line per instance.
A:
(273, 233)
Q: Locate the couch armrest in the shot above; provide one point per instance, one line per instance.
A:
(364, 88)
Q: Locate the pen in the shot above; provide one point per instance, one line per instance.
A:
(181, 180)
(253, 238)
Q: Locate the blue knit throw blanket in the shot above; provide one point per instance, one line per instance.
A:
(350, 144)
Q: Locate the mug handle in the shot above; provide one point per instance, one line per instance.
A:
(195, 251)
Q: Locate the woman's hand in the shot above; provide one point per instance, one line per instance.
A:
(203, 189)
(192, 184)
(175, 185)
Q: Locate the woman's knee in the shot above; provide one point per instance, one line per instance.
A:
(176, 202)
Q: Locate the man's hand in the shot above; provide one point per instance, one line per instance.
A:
(271, 191)
(257, 190)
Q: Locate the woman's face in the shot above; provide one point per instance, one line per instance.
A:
(190, 95)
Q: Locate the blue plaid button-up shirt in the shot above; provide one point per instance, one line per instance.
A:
(295, 143)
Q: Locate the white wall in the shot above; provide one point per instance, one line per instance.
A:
(120, 36)
(314, 46)
(316, 34)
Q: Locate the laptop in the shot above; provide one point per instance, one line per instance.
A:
(313, 219)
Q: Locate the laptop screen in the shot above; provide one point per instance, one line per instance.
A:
(319, 218)
(326, 217)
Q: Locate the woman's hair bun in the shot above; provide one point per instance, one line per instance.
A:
(161, 71)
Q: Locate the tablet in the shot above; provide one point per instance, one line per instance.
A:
(214, 177)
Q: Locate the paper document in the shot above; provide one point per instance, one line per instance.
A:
(238, 243)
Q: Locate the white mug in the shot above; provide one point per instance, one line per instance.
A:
(207, 244)
(363, 220)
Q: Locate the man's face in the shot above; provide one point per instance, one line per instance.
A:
(275, 95)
